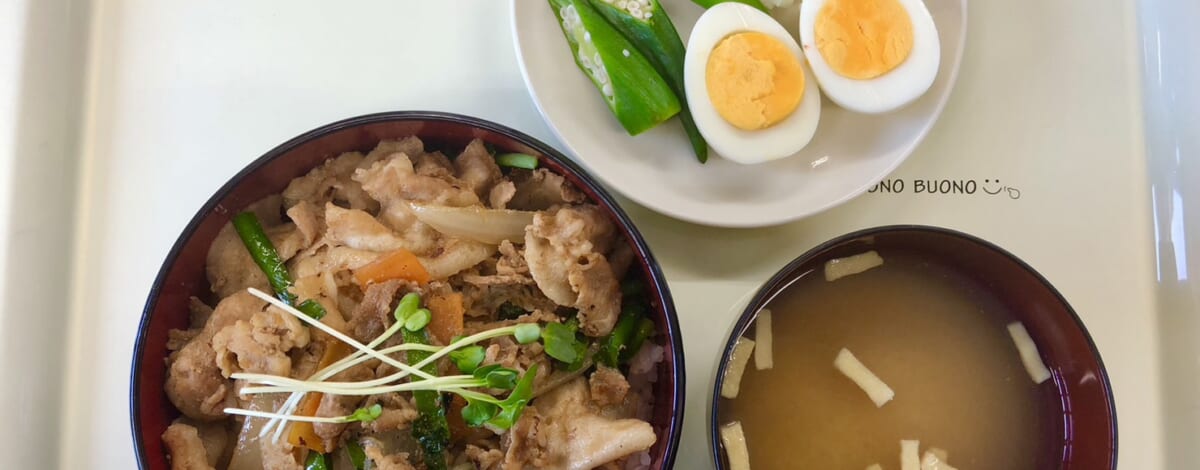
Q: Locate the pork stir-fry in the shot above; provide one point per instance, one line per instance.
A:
(402, 309)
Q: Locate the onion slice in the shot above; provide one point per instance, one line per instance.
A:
(480, 224)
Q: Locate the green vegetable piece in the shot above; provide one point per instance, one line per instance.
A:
(358, 457)
(430, 429)
(644, 331)
(485, 370)
(619, 339)
(418, 319)
(408, 304)
(580, 356)
(311, 308)
(478, 412)
(559, 340)
(498, 378)
(366, 415)
(633, 90)
(511, 407)
(650, 30)
(517, 160)
(754, 3)
(527, 333)
(468, 359)
(316, 461)
(262, 251)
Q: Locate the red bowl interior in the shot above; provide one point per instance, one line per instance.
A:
(1081, 397)
(182, 274)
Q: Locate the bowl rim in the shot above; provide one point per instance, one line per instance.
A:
(658, 281)
(786, 272)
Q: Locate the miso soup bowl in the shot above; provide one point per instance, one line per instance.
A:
(182, 274)
(1087, 426)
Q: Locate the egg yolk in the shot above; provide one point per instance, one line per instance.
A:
(863, 39)
(753, 80)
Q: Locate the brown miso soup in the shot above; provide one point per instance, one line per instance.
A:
(937, 338)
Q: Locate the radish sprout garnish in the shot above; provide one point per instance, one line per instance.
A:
(482, 408)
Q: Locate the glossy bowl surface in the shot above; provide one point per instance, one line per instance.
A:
(1087, 429)
(182, 274)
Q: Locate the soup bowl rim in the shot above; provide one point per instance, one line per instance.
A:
(778, 282)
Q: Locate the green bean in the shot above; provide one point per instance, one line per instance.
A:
(262, 251)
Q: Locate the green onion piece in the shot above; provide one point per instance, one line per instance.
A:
(618, 340)
(408, 304)
(644, 331)
(468, 359)
(517, 160)
(430, 429)
(418, 319)
(358, 457)
(527, 333)
(316, 461)
(264, 255)
(311, 308)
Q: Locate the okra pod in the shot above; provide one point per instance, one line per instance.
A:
(634, 91)
(648, 27)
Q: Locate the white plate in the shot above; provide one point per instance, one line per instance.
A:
(850, 152)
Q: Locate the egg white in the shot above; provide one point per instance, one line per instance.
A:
(783, 139)
(892, 90)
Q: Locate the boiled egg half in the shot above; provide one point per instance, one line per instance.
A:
(749, 91)
(870, 56)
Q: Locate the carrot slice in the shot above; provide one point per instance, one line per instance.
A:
(303, 434)
(448, 311)
(399, 264)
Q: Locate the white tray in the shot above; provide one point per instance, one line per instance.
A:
(117, 119)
